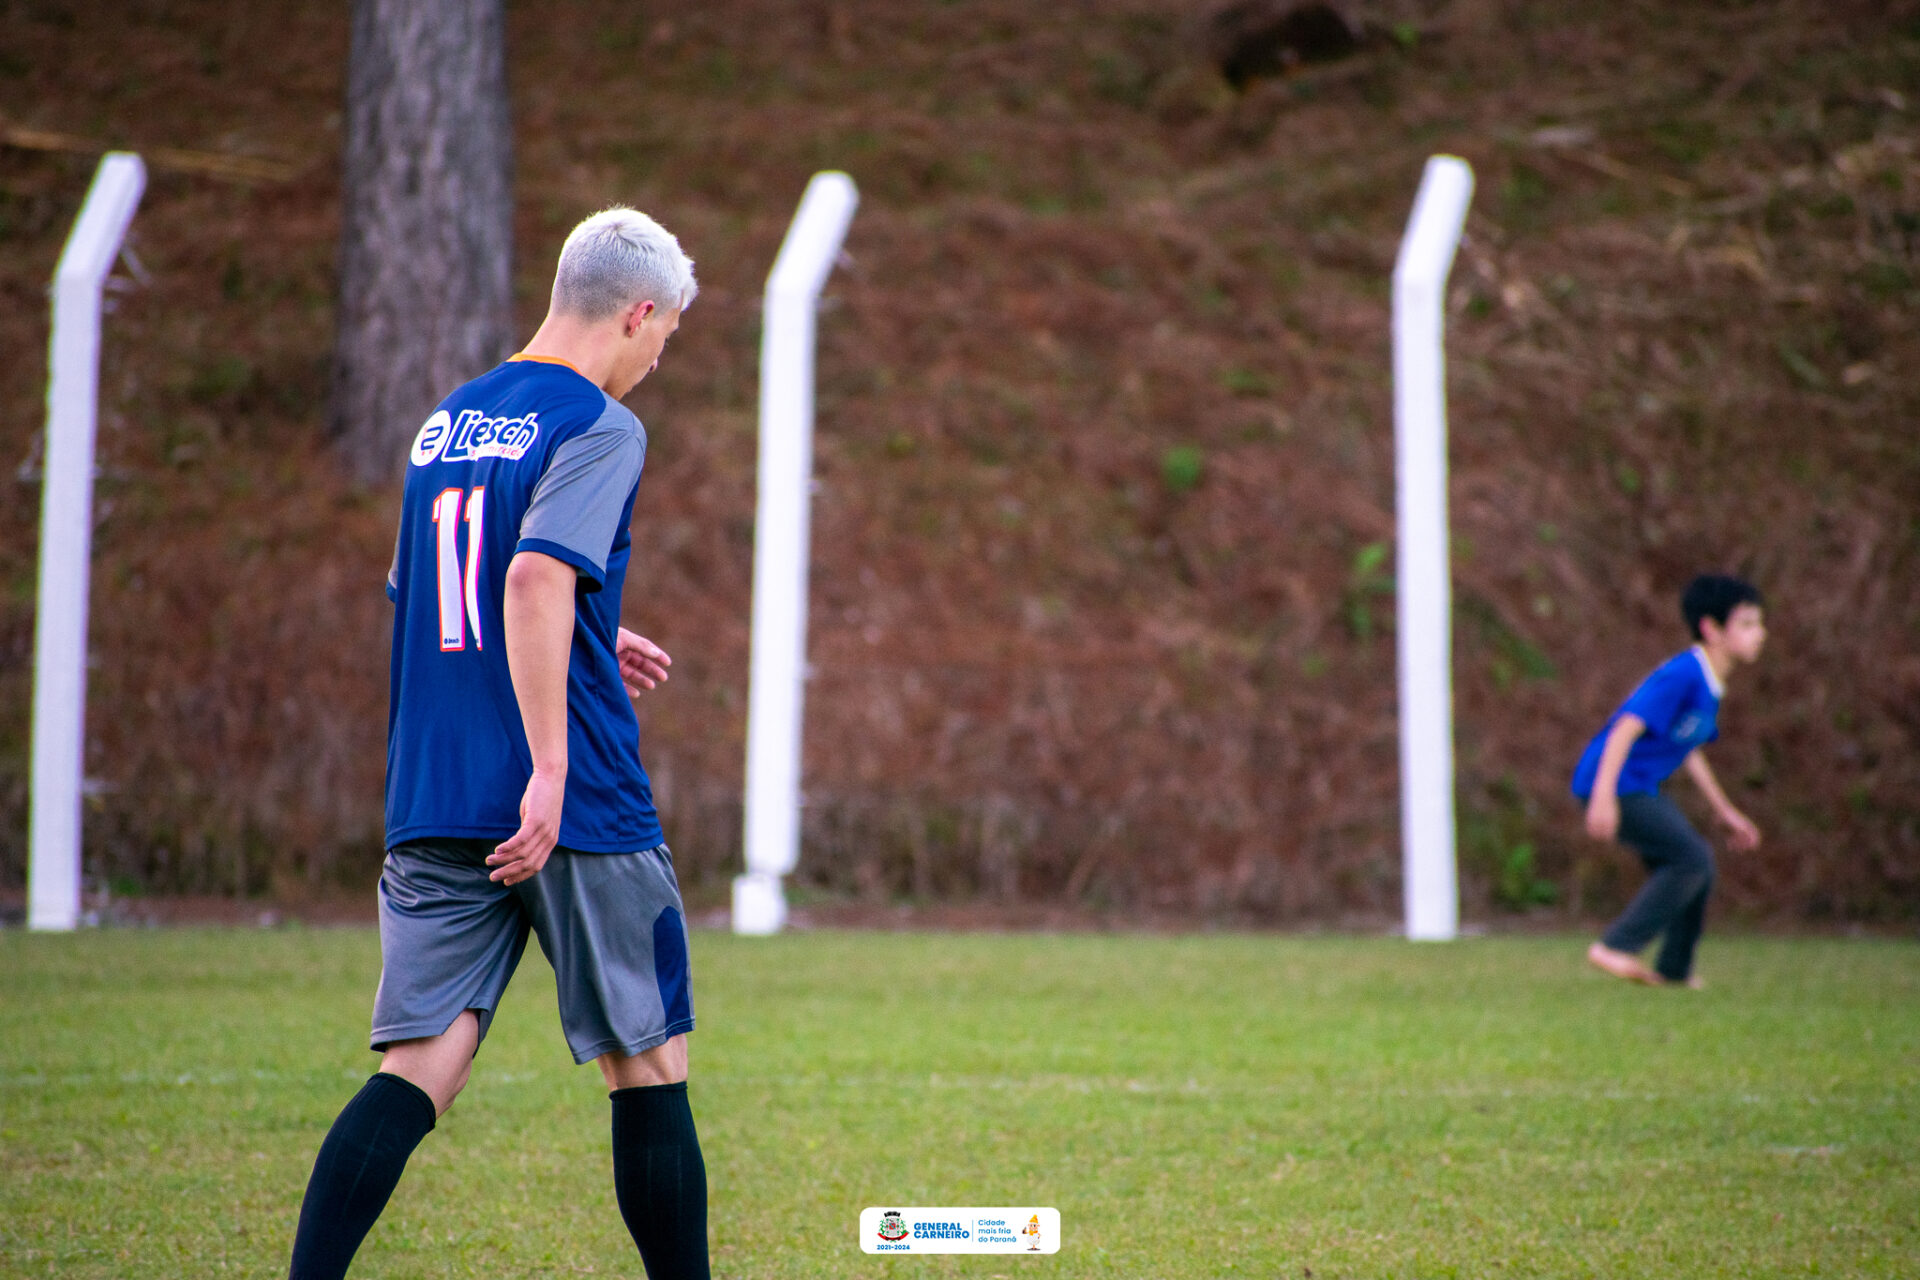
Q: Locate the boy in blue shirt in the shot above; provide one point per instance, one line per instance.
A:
(1660, 729)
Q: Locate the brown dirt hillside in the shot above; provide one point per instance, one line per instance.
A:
(1102, 605)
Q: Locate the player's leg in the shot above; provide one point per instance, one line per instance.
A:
(614, 928)
(664, 1064)
(438, 1066)
(1658, 832)
(659, 1175)
(1675, 963)
(448, 944)
(366, 1150)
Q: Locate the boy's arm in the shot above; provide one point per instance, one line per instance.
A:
(1603, 806)
(1742, 834)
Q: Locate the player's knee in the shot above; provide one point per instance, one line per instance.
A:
(444, 1086)
(458, 1085)
(662, 1064)
(441, 1083)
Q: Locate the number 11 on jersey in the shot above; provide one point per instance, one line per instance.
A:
(457, 588)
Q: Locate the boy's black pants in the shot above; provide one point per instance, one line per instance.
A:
(1674, 900)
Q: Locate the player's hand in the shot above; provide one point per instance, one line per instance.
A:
(522, 855)
(1603, 817)
(1742, 834)
(643, 664)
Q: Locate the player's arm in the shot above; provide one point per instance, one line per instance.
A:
(539, 625)
(1603, 806)
(1742, 833)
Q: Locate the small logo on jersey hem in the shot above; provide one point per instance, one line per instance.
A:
(473, 436)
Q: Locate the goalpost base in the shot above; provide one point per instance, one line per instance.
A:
(759, 904)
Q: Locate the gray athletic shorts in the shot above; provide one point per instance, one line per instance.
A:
(611, 924)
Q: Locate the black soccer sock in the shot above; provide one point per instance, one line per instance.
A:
(357, 1169)
(660, 1180)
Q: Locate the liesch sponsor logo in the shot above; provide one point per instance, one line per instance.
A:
(473, 436)
(959, 1230)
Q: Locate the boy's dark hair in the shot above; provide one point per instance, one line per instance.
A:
(1716, 596)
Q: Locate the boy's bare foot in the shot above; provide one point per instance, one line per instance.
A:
(1692, 983)
(1620, 964)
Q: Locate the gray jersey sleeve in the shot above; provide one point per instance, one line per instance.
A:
(577, 506)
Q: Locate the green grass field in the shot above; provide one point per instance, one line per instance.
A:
(1195, 1106)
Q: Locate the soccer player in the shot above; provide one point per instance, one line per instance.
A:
(516, 800)
(1660, 729)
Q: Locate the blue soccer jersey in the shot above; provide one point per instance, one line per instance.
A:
(529, 457)
(1680, 703)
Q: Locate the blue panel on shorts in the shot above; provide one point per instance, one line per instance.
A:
(670, 968)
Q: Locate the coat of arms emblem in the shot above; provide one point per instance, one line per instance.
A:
(892, 1225)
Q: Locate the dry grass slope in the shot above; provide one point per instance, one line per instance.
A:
(1102, 606)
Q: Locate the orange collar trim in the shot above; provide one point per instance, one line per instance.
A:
(546, 360)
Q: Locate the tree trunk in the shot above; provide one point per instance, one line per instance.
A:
(427, 229)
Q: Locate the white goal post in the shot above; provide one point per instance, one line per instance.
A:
(1423, 590)
(777, 671)
(66, 541)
